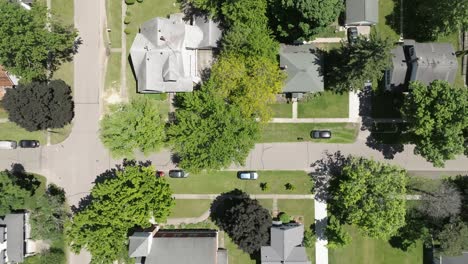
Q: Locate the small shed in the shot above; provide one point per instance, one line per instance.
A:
(362, 12)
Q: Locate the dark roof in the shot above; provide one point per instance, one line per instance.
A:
(303, 66)
(463, 259)
(362, 12)
(14, 224)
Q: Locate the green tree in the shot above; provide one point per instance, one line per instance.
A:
(208, 133)
(251, 83)
(336, 235)
(121, 199)
(28, 47)
(454, 238)
(437, 116)
(134, 126)
(370, 195)
(301, 19)
(284, 218)
(353, 65)
(12, 195)
(38, 106)
(309, 238)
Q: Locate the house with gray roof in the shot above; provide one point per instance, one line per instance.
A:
(424, 62)
(462, 259)
(362, 12)
(181, 246)
(285, 246)
(14, 234)
(165, 53)
(303, 66)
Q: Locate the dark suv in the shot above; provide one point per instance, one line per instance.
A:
(352, 35)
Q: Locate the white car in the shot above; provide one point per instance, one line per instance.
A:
(247, 175)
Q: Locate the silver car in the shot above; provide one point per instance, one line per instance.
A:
(7, 144)
(247, 175)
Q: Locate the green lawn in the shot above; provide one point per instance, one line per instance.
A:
(59, 135)
(113, 72)
(3, 112)
(190, 208)
(453, 39)
(282, 110)
(364, 250)
(224, 181)
(11, 131)
(114, 22)
(329, 32)
(386, 17)
(324, 105)
(235, 255)
(267, 204)
(63, 9)
(290, 132)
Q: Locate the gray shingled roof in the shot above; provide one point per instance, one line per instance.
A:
(303, 67)
(463, 259)
(14, 224)
(399, 67)
(286, 245)
(362, 12)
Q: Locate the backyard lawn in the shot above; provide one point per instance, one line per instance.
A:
(282, 110)
(189, 208)
(386, 18)
(293, 132)
(224, 181)
(364, 250)
(11, 131)
(324, 105)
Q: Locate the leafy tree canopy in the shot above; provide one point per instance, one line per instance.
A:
(301, 19)
(133, 126)
(370, 195)
(210, 134)
(454, 238)
(437, 116)
(38, 106)
(12, 194)
(336, 234)
(27, 46)
(122, 199)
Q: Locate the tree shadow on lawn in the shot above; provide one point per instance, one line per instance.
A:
(326, 170)
(25, 180)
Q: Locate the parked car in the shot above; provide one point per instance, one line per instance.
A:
(247, 175)
(29, 143)
(160, 173)
(7, 144)
(352, 35)
(321, 134)
(178, 174)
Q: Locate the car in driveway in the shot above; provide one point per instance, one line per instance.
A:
(352, 35)
(8, 144)
(247, 175)
(178, 174)
(321, 134)
(29, 143)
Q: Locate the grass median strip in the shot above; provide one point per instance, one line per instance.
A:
(294, 132)
(224, 181)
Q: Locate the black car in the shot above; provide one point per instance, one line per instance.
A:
(320, 134)
(352, 35)
(178, 174)
(29, 143)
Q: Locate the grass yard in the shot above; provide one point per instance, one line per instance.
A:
(235, 255)
(329, 32)
(11, 131)
(387, 17)
(113, 72)
(453, 39)
(224, 181)
(364, 250)
(282, 110)
(3, 112)
(59, 135)
(114, 22)
(290, 132)
(324, 105)
(64, 10)
(190, 208)
(267, 204)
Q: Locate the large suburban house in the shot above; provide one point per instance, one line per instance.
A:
(7, 81)
(424, 62)
(181, 246)
(362, 12)
(303, 66)
(167, 55)
(285, 246)
(14, 238)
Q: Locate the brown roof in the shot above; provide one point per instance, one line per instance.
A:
(5, 81)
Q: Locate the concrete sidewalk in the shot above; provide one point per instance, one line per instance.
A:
(321, 250)
(253, 196)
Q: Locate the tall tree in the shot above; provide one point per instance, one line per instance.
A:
(337, 236)
(370, 195)
(210, 134)
(301, 19)
(353, 65)
(437, 116)
(133, 126)
(12, 195)
(121, 199)
(28, 48)
(38, 106)
(441, 203)
(454, 238)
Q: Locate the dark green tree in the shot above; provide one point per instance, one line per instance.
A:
(301, 19)
(437, 116)
(29, 48)
(453, 238)
(121, 199)
(12, 195)
(336, 235)
(38, 106)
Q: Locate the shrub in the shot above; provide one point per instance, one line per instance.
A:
(127, 20)
(284, 218)
(264, 186)
(130, 2)
(127, 31)
(309, 238)
(289, 187)
(140, 1)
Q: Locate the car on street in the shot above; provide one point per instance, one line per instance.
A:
(352, 35)
(321, 134)
(247, 175)
(29, 143)
(8, 144)
(178, 174)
